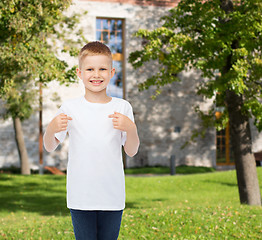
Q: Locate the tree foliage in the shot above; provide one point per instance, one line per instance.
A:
(202, 35)
(222, 38)
(33, 34)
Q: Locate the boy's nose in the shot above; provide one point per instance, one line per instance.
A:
(96, 74)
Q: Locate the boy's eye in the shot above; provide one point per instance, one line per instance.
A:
(102, 69)
(89, 69)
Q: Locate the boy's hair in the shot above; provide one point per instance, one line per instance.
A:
(93, 49)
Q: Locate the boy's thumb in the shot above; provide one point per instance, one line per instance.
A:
(69, 118)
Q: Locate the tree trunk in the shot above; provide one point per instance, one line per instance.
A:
(19, 137)
(240, 133)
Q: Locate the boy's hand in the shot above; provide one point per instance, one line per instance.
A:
(122, 122)
(59, 123)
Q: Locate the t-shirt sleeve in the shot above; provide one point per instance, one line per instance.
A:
(61, 135)
(128, 113)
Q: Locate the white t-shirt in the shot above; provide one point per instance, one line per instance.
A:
(95, 176)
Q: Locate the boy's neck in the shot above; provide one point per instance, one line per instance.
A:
(97, 97)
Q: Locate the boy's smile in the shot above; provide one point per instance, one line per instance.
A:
(96, 72)
(96, 82)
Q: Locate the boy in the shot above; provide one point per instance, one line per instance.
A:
(98, 125)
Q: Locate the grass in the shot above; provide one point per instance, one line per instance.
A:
(197, 206)
(166, 170)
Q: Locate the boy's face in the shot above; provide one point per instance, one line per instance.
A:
(96, 72)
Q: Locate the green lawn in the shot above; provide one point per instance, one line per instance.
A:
(196, 206)
(166, 170)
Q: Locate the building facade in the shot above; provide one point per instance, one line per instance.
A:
(164, 125)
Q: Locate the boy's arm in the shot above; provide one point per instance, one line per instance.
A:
(124, 123)
(132, 141)
(58, 124)
(50, 141)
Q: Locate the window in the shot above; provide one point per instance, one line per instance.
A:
(110, 32)
(223, 146)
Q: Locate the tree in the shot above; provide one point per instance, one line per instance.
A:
(31, 33)
(222, 38)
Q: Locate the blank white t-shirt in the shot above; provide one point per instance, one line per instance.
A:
(95, 176)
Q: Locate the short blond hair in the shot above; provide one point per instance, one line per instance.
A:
(93, 49)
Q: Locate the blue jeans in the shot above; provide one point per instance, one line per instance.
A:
(96, 225)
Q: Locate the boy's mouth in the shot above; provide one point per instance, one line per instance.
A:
(96, 82)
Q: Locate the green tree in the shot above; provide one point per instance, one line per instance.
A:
(32, 35)
(216, 36)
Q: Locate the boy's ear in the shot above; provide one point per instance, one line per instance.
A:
(78, 73)
(113, 71)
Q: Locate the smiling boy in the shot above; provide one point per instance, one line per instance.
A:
(98, 125)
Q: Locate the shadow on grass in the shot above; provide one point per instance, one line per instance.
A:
(144, 203)
(46, 195)
(131, 205)
(229, 184)
(27, 196)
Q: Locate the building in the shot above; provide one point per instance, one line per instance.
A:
(164, 125)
